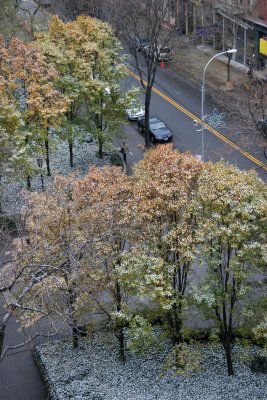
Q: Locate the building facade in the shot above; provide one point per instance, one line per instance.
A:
(222, 24)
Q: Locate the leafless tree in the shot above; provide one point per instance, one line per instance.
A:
(246, 108)
(138, 19)
(257, 105)
(30, 14)
(69, 10)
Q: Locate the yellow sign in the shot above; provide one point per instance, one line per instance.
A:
(263, 46)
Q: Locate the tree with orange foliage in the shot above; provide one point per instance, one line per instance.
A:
(77, 228)
(29, 85)
(61, 240)
(106, 193)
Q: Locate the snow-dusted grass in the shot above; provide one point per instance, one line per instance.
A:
(85, 155)
(93, 372)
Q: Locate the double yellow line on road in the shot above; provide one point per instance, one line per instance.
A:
(213, 131)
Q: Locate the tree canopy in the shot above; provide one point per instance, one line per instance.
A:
(86, 55)
(106, 238)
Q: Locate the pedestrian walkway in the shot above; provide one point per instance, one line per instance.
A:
(191, 60)
(19, 376)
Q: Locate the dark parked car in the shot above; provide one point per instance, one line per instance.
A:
(159, 132)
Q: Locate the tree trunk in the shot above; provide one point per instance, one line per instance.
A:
(28, 177)
(228, 353)
(71, 152)
(73, 320)
(121, 336)
(147, 106)
(171, 323)
(121, 339)
(2, 336)
(100, 148)
(75, 335)
(177, 305)
(175, 323)
(228, 70)
(3, 325)
(47, 159)
(1, 209)
(28, 182)
(177, 309)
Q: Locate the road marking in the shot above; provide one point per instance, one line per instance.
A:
(213, 131)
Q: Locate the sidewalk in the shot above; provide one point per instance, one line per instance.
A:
(239, 70)
(191, 61)
(19, 376)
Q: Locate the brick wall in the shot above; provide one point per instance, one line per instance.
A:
(260, 10)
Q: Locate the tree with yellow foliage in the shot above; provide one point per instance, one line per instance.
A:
(87, 57)
(165, 242)
(232, 215)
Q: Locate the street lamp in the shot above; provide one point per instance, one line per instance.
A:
(203, 98)
(40, 165)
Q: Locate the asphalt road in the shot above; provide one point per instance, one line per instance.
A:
(178, 93)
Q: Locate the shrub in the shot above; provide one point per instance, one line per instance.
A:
(116, 160)
(259, 364)
(8, 222)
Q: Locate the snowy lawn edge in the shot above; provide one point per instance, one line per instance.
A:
(93, 372)
(44, 374)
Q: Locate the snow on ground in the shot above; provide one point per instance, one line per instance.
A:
(93, 372)
(85, 155)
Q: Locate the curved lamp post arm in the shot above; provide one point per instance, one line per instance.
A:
(203, 96)
(212, 58)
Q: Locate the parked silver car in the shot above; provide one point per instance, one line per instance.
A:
(134, 112)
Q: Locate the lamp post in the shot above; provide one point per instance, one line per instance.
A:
(203, 98)
(40, 165)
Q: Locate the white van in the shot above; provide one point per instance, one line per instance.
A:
(164, 54)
